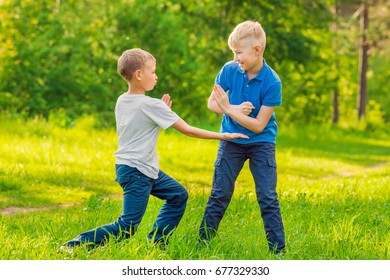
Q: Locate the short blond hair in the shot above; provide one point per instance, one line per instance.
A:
(132, 60)
(247, 29)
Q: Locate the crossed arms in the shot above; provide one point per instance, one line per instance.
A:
(219, 103)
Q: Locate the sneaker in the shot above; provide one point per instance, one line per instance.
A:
(202, 243)
(160, 244)
(280, 253)
(66, 249)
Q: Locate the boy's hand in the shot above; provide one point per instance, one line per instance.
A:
(221, 98)
(246, 107)
(231, 136)
(167, 99)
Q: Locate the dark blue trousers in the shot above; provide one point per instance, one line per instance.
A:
(230, 160)
(137, 189)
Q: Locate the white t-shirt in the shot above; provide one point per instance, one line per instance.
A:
(138, 122)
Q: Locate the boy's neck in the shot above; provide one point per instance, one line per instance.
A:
(135, 90)
(139, 93)
(255, 70)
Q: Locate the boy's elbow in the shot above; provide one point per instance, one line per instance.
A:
(187, 130)
(258, 129)
(210, 105)
(182, 127)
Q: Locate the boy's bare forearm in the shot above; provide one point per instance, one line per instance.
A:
(200, 133)
(253, 124)
(213, 106)
(248, 122)
(191, 131)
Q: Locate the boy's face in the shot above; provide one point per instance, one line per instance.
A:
(148, 75)
(247, 54)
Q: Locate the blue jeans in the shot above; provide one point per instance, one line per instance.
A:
(136, 191)
(230, 160)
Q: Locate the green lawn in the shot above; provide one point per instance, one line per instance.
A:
(333, 186)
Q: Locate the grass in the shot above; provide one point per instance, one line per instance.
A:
(333, 187)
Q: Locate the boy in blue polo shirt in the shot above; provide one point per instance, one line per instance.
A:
(254, 89)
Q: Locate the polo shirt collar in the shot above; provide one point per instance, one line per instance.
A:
(261, 75)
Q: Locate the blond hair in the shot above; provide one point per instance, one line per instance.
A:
(247, 29)
(132, 60)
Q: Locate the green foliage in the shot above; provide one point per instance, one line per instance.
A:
(59, 57)
(56, 59)
(378, 89)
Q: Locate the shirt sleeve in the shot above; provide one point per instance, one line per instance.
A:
(160, 113)
(222, 78)
(273, 95)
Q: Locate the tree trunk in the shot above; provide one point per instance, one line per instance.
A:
(333, 28)
(363, 62)
(336, 112)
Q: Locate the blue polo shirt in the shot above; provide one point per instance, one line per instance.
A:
(264, 89)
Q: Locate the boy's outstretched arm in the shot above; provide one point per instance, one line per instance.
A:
(191, 131)
(254, 124)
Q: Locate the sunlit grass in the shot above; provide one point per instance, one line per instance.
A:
(333, 188)
(44, 165)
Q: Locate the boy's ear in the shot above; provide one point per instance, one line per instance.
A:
(137, 74)
(258, 49)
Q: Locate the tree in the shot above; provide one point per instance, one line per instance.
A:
(61, 55)
(363, 61)
(333, 29)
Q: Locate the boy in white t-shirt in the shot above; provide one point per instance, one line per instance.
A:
(138, 122)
